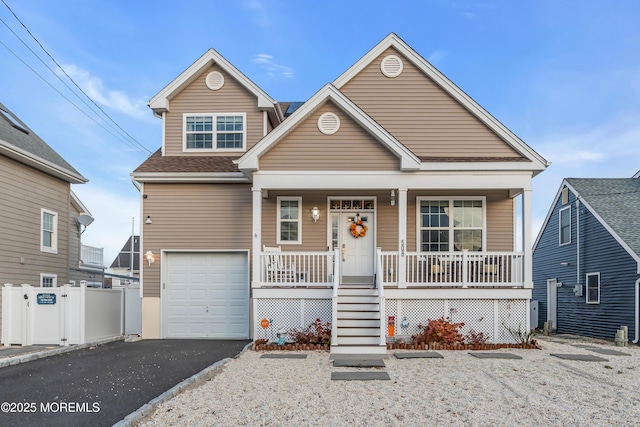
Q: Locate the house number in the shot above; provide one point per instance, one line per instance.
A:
(402, 248)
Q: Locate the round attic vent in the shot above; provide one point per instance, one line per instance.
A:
(214, 80)
(328, 123)
(391, 66)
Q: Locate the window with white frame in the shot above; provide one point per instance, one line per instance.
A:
(214, 132)
(49, 231)
(48, 280)
(593, 288)
(289, 227)
(446, 225)
(565, 225)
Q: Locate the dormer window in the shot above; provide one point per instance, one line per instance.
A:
(214, 132)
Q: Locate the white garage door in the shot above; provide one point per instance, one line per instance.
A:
(206, 295)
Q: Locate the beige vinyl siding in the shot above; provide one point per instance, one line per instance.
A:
(193, 216)
(499, 217)
(24, 192)
(197, 98)
(350, 148)
(421, 115)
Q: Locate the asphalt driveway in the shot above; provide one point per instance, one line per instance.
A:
(102, 385)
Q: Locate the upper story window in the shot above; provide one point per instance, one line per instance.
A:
(215, 132)
(49, 231)
(593, 288)
(565, 225)
(446, 225)
(289, 220)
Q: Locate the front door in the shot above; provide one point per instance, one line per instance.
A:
(353, 232)
(552, 302)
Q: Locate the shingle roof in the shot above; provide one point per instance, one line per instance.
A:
(30, 144)
(123, 260)
(617, 202)
(159, 163)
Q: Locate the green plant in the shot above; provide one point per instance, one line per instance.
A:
(316, 333)
(440, 331)
(474, 337)
(520, 335)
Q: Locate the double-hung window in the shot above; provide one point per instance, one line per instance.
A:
(215, 132)
(593, 288)
(565, 225)
(447, 225)
(48, 280)
(49, 231)
(289, 227)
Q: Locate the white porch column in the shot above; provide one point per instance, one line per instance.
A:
(526, 239)
(402, 237)
(256, 238)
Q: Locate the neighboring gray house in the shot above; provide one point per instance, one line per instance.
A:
(121, 265)
(586, 260)
(40, 216)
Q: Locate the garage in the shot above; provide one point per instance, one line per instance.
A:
(206, 295)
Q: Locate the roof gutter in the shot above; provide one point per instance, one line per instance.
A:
(135, 184)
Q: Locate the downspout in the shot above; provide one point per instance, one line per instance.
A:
(637, 312)
(135, 184)
(578, 240)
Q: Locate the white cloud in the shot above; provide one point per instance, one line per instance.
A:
(260, 15)
(436, 57)
(118, 100)
(274, 69)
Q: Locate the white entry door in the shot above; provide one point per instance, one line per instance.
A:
(552, 302)
(357, 253)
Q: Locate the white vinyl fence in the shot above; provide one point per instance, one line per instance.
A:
(61, 315)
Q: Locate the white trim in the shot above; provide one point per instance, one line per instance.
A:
(392, 40)
(250, 160)
(549, 213)
(265, 123)
(451, 228)
(214, 132)
(586, 288)
(194, 177)
(75, 200)
(552, 286)
(53, 249)
(280, 199)
(54, 283)
(164, 130)
(457, 293)
(256, 238)
(560, 243)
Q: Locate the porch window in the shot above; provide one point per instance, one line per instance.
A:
(593, 288)
(289, 227)
(48, 280)
(446, 225)
(49, 231)
(214, 132)
(565, 225)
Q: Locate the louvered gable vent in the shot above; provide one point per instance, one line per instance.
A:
(391, 66)
(214, 80)
(328, 123)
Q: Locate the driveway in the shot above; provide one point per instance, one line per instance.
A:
(99, 386)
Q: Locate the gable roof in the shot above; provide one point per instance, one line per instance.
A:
(614, 202)
(250, 160)
(393, 41)
(123, 259)
(20, 143)
(161, 101)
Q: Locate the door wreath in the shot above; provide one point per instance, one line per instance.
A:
(358, 229)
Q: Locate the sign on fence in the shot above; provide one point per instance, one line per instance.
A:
(46, 299)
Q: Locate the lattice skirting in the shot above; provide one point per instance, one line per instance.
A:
(288, 313)
(494, 318)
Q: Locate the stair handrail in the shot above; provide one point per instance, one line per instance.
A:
(380, 285)
(334, 298)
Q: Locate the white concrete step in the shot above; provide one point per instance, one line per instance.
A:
(358, 332)
(357, 307)
(358, 299)
(368, 315)
(349, 340)
(351, 291)
(358, 323)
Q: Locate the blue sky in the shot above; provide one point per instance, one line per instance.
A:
(563, 75)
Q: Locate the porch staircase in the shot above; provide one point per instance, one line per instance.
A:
(358, 321)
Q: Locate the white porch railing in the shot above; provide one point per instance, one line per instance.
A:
(381, 297)
(297, 269)
(459, 269)
(92, 256)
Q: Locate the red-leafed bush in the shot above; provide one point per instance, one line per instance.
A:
(316, 333)
(474, 337)
(440, 331)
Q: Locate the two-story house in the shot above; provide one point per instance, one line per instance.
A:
(389, 193)
(41, 219)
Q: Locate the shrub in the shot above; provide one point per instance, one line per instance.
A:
(440, 331)
(474, 337)
(316, 333)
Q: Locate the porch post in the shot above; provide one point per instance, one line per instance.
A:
(526, 239)
(256, 239)
(402, 237)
